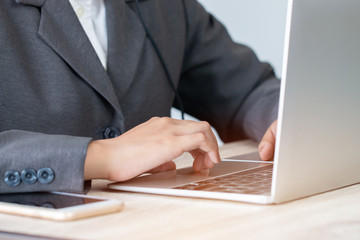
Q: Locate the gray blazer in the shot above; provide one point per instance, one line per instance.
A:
(55, 96)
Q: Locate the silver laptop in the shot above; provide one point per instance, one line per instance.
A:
(318, 141)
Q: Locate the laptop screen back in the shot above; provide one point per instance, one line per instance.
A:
(319, 114)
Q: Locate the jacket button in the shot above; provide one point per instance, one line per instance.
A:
(12, 178)
(111, 132)
(28, 176)
(45, 175)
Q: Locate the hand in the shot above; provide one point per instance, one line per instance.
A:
(267, 145)
(151, 146)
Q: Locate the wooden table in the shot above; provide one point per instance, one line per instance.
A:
(331, 215)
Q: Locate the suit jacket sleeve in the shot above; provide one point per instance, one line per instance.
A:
(224, 82)
(33, 162)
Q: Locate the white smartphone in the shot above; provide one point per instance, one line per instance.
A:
(57, 206)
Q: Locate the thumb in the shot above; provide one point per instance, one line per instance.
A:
(267, 144)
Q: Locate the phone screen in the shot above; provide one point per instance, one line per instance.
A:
(46, 200)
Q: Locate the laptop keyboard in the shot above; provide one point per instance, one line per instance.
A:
(255, 181)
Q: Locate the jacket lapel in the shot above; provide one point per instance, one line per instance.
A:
(61, 30)
(126, 38)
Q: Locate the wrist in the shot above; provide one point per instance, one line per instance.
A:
(96, 161)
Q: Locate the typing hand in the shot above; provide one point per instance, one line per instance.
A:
(267, 145)
(151, 147)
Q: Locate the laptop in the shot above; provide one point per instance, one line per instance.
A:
(318, 121)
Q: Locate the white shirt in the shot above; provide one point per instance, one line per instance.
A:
(92, 16)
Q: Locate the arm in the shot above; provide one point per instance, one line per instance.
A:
(22, 150)
(224, 82)
(151, 145)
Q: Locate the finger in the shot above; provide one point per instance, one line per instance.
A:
(202, 161)
(164, 167)
(198, 163)
(184, 127)
(200, 142)
(208, 163)
(267, 145)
